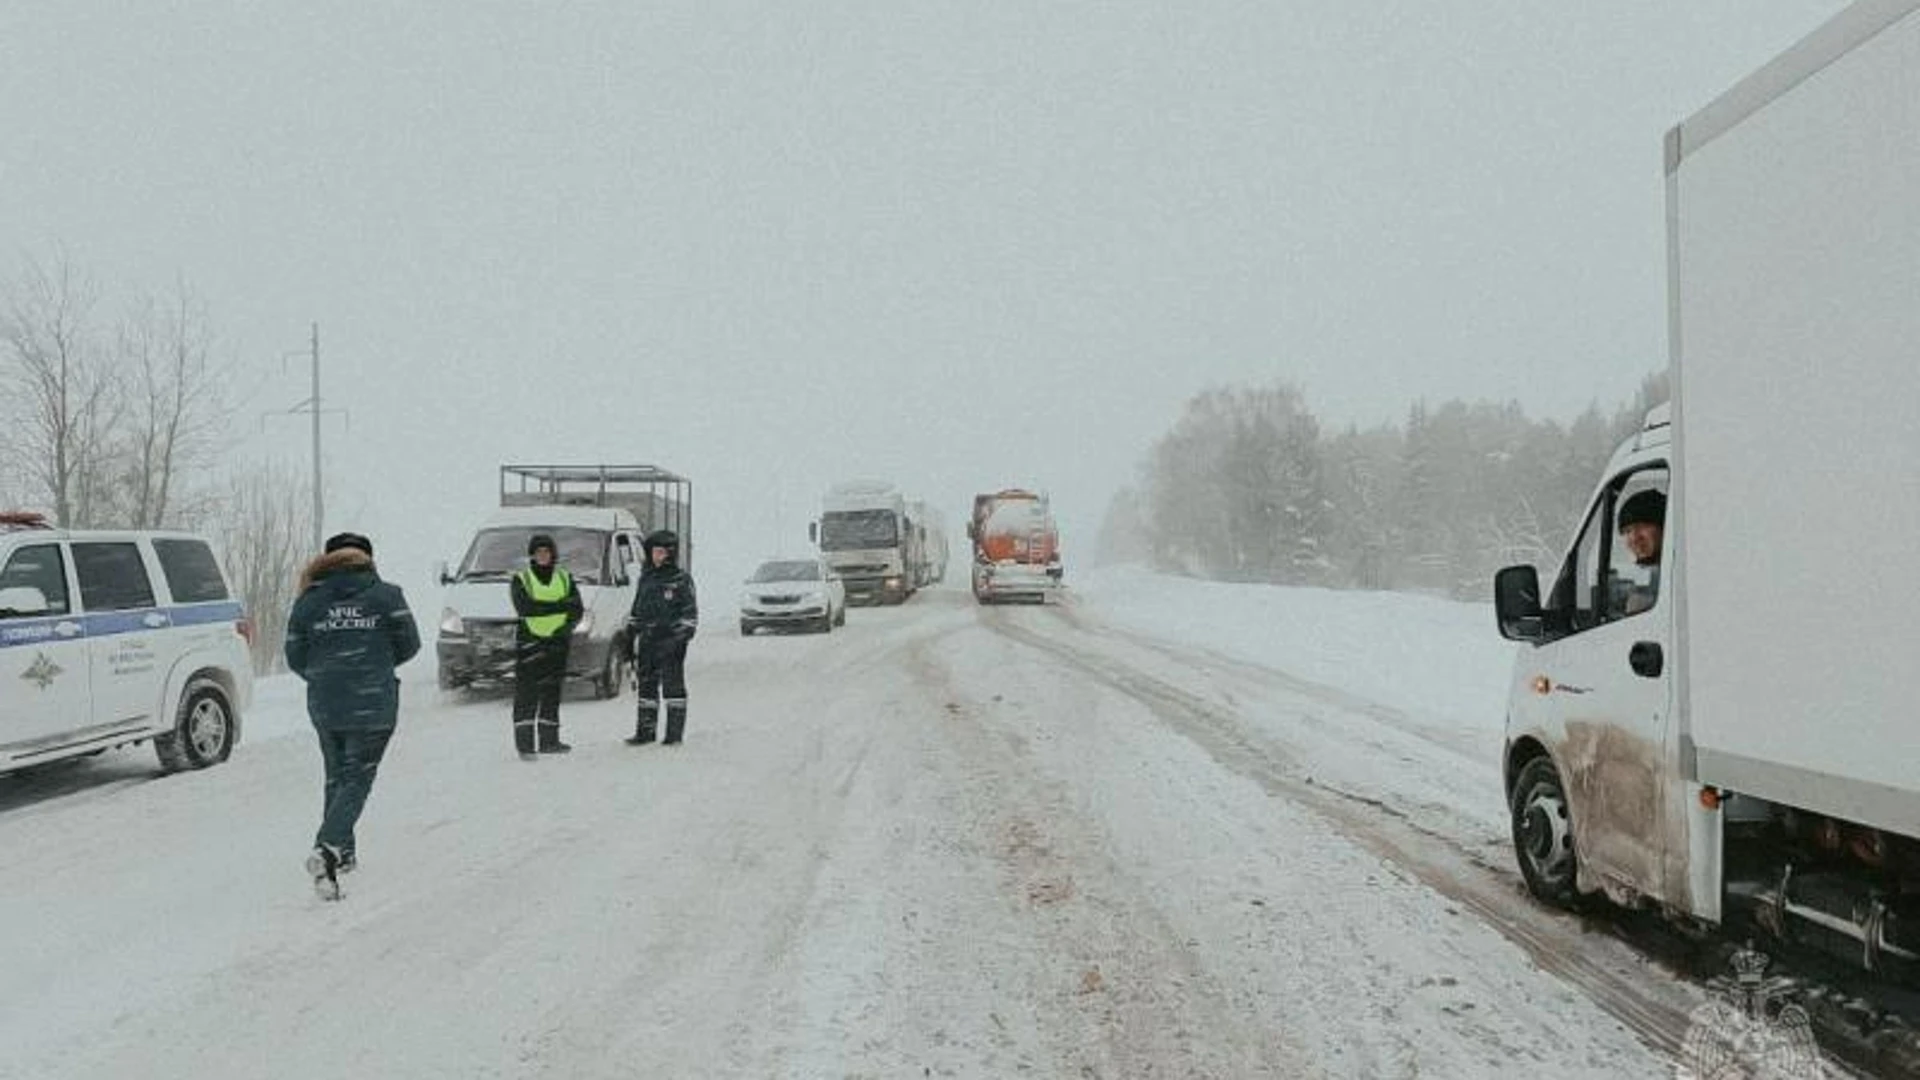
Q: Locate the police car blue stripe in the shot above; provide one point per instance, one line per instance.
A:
(35, 632)
(202, 614)
(45, 631)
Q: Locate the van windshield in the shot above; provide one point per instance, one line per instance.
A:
(498, 553)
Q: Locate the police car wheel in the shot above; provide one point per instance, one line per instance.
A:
(203, 732)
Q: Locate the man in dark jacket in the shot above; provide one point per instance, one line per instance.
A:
(548, 603)
(347, 633)
(664, 618)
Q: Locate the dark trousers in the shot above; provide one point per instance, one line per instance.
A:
(661, 670)
(352, 758)
(539, 674)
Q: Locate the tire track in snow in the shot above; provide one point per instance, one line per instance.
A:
(1658, 1014)
(1143, 1003)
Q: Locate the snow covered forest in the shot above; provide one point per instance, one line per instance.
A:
(1250, 486)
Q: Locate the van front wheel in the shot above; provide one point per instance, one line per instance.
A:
(1543, 834)
(606, 685)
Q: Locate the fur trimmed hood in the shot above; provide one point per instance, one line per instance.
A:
(334, 562)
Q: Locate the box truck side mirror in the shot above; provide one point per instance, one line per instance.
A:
(1516, 604)
(813, 532)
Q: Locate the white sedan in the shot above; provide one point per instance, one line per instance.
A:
(793, 592)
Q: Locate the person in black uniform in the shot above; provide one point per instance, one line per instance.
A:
(548, 604)
(346, 635)
(664, 619)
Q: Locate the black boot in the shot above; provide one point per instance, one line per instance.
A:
(676, 724)
(523, 739)
(550, 738)
(643, 727)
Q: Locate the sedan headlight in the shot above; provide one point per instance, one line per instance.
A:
(451, 624)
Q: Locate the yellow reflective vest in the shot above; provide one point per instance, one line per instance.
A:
(554, 591)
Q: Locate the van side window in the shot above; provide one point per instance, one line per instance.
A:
(38, 567)
(193, 576)
(1572, 606)
(112, 577)
(623, 556)
(1637, 538)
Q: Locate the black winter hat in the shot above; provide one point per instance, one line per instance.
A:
(1645, 508)
(665, 538)
(349, 540)
(542, 540)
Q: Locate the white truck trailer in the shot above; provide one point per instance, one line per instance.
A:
(1730, 728)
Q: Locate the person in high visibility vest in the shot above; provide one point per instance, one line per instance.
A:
(548, 603)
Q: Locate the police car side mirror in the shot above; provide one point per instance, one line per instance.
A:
(440, 573)
(23, 600)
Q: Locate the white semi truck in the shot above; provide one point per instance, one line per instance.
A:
(865, 534)
(1728, 728)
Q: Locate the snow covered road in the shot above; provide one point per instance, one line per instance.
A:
(943, 841)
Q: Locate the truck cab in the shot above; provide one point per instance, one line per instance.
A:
(1592, 698)
(866, 536)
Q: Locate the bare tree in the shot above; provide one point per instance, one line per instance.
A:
(176, 405)
(265, 534)
(61, 393)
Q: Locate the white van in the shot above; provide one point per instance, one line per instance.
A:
(600, 547)
(598, 515)
(113, 638)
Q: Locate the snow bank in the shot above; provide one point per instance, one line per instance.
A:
(1439, 660)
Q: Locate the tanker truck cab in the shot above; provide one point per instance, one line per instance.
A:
(600, 548)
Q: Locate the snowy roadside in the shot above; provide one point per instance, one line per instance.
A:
(1440, 659)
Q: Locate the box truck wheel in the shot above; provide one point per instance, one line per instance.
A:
(1543, 834)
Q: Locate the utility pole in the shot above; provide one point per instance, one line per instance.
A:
(312, 406)
(319, 505)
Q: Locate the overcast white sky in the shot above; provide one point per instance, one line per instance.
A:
(773, 244)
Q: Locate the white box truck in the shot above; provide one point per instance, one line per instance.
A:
(1716, 715)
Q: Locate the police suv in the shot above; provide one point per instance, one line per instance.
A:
(114, 638)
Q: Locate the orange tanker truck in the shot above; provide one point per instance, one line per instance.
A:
(1016, 547)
